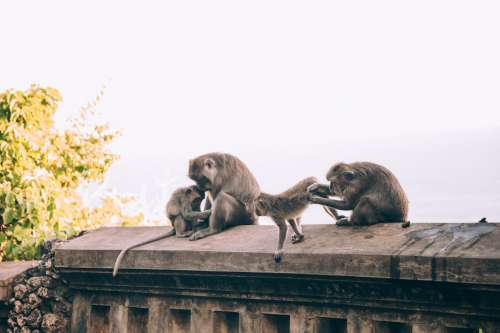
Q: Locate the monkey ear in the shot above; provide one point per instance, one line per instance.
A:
(260, 203)
(209, 163)
(348, 175)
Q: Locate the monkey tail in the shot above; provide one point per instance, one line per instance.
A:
(328, 212)
(124, 251)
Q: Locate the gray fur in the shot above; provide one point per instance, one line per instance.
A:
(370, 190)
(232, 186)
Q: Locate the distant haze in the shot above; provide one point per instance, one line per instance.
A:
(289, 86)
(453, 177)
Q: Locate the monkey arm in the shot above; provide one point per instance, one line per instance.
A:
(337, 204)
(195, 216)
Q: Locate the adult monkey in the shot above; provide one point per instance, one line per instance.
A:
(370, 190)
(232, 188)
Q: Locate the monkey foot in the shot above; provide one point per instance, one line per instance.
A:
(278, 255)
(195, 236)
(343, 222)
(297, 238)
(405, 224)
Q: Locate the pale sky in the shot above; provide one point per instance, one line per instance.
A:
(260, 70)
(189, 77)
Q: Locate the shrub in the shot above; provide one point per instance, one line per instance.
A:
(41, 169)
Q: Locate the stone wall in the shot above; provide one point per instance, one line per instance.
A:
(9, 271)
(40, 300)
(427, 278)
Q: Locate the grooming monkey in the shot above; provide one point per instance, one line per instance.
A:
(232, 187)
(370, 190)
(287, 206)
(183, 211)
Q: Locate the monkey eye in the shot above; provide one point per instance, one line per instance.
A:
(348, 175)
(209, 163)
(189, 191)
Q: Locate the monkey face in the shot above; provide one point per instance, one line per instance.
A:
(342, 177)
(203, 171)
(194, 196)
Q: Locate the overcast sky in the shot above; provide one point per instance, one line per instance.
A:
(253, 71)
(187, 77)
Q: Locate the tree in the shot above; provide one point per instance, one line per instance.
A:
(41, 169)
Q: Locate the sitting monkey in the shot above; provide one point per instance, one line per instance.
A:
(232, 187)
(183, 211)
(370, 190)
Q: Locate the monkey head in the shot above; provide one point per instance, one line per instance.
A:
(261, 207)
(203, 170)
(184, 199)
(193, 197)
(345, 180)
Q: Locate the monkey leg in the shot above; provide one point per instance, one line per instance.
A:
(278, 254)
(298, 236)
(182, 227)
(226, 211)
(365, 213)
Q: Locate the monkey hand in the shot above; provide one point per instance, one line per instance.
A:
(278, 255)
(313, 188)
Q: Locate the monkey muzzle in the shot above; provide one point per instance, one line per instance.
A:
(202, 183)
(200, 191)
(335, 188)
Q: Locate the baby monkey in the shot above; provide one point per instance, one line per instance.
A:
(287, 206)
(183, 210)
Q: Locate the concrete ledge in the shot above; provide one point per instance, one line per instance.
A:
(467, 253)
(8, 272)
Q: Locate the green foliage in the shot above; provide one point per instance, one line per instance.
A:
(41, 169)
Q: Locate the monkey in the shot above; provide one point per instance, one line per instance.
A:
(370, 190)
(183, 210)
(232, 187)
(286, 206)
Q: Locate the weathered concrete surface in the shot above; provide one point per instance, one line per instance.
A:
(8, 272)
(467, 253)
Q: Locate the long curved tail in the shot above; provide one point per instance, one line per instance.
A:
(124, 251)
